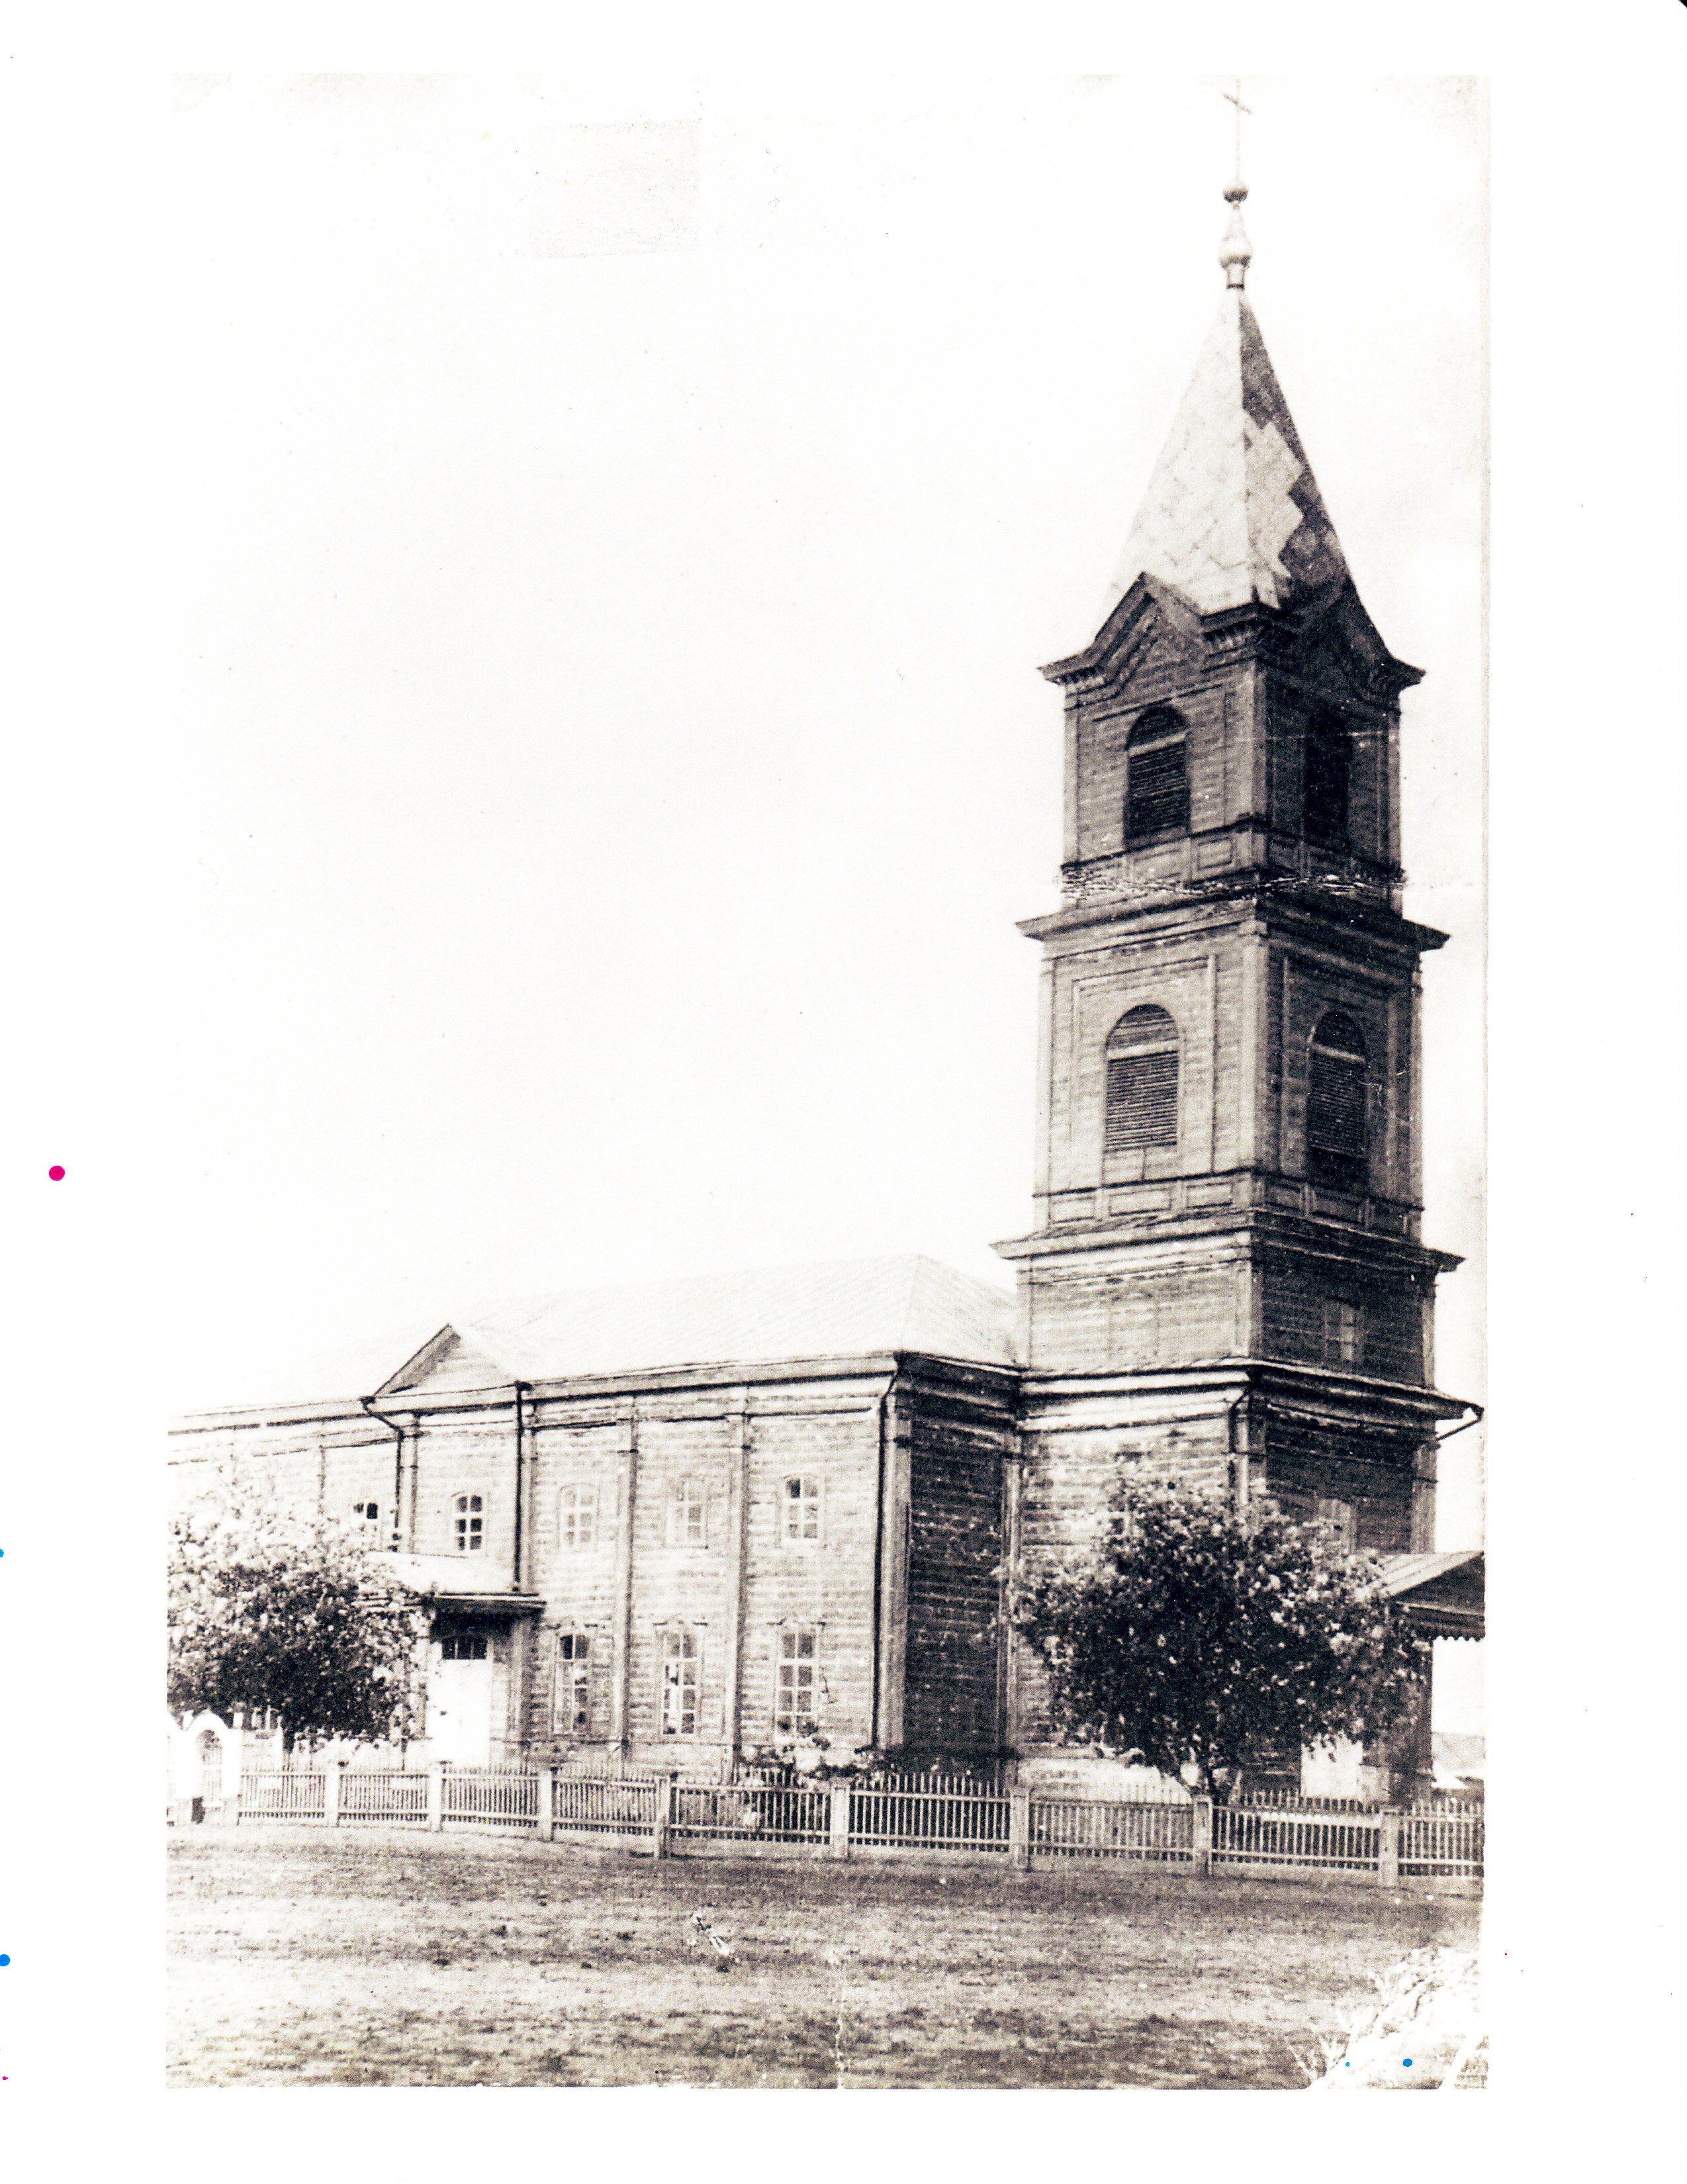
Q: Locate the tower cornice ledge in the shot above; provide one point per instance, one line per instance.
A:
(1265, 897)
(1247, 1226)
(1315, 1387)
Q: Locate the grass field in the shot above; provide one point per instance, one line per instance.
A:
(303, 1958)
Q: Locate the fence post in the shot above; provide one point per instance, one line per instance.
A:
(546, 1803)
(234, 1766)
(333, 1773)
(838, 1843)
(664, 1813)
(1019, 1826)
(1200, 1810)
(436, 1795)
(1388, 1850)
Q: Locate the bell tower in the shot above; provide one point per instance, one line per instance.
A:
(1226, 1276)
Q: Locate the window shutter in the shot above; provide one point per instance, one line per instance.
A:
(1324, 793)
(1142, 1101)
(1159, 796)
(1336, 1104)
(1142, 1081)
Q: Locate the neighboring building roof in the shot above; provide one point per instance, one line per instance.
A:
(1232, 512)
(1446, 1593)
(1403, 1573)
(839, 1308)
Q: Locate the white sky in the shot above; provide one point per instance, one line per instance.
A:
(621, 534)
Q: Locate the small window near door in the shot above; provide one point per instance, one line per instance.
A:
(471, 1524)
(679, 1683)
(458, 1646)
(572, 1714)
(794, 1688)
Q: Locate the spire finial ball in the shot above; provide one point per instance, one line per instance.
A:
(1236, 253)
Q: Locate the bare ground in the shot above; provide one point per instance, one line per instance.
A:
(299, 1958)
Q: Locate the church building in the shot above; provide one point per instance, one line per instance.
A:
(683, 1522)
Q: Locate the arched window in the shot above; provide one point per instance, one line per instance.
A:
(1328, 765)
(1142, 1082)
(1336, 1100)
(1157, 784)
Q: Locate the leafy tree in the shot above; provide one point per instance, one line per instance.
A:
(1207, 1642)
(298, 1615)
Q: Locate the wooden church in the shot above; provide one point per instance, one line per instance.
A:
(683, 1522)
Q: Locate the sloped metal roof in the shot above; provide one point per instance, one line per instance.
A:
(837, 1308)
(1233, 513)
(1403, 1574)
(1445, 1595)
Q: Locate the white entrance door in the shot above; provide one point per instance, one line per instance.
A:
(460, 1702)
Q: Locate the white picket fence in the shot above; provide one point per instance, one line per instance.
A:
(919, 1814)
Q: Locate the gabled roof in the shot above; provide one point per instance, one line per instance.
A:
(839, 1308)
(1233, 513)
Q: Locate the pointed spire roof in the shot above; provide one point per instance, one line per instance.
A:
(1233, 513)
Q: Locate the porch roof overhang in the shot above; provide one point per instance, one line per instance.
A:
(443, 1581)
(1445, 1595)
(511, 1604)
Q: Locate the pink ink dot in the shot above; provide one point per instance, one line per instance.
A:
(55, 1175)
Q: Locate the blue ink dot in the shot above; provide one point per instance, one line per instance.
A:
(5, 1960)
(1406, 2064)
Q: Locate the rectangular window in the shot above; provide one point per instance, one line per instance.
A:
(471, 1524)
(1344, 1333)
(366, 1512)
(457, 1647)
(579, 1523)
(679, 1683)
(794, 1693)
(572, 1713)
(802, 1509)
(687, 1518)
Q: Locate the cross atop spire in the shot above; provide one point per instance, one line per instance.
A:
(1236, 253)
(1235, 99)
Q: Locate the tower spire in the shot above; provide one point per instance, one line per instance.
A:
(1236, 253)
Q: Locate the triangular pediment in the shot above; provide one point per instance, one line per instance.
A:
(1341, 650)
(1152, 627)
(445, 1363)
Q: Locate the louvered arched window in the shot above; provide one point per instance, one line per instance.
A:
(1336, 1105)
(1329, 767)
(1142, 1082)
(1157, 782)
